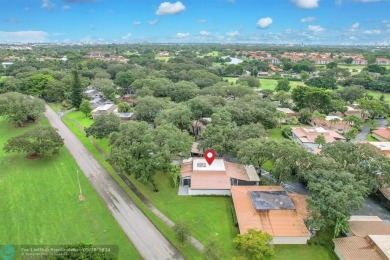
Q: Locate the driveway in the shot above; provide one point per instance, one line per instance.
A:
(148, 240)
(365, 130)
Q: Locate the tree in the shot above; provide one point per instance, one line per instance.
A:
(19, 108)
(36, 142)
(373, 107)
(77, 90)
(85, 107)
(255, 245)
(320, 140)
(181, 230)
(103, 126)
(200, 107)
(352, 93)
(327, 82)
(304, 115)
(37, 83)
(331, 65)
(134, 151)
(180, 116)
(82, 251)
(250, 81)
(333, 195)
(124, 107)
(213, 251)
(108, 92)
(148, 108)
(124, 79)
(182, 91)
(280, 116)
(283, 85)
(239, 91)
(293, 120)
(365, 161)
(351, 134)
(282, 96)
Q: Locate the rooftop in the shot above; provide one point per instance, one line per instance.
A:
(356, 248)
(277, 222)
(362, 227)
(383, 146)
(269, 200)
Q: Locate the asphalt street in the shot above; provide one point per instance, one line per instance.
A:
(148, 240)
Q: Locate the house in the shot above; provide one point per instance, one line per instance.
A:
(369, 239)
(382, 61)
(7, 64)
(382, 134)
(321, 61)
(330, 123)
(104, 109)
(126, 116)
(359, 61)
(97, 101)
(271, 209)
(306, 136)
(198, 126)
(287, 111)
(92, 93)
(384, 147)
(128, 99)
(197, 177)
(195, 150)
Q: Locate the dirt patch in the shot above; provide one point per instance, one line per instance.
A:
(32, 156)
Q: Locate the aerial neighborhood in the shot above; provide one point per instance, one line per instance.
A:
(208, 145)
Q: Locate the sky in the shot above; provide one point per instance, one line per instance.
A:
(342, 22)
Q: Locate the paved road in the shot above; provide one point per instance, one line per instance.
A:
(150, 243)
(365, 130)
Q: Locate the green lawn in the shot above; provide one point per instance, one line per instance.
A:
(272, 83)
(42, 206)
(370, 138)
(213, 53)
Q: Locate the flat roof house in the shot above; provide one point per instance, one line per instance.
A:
(199, 178)
(369, 239)
(104, 109)
(306, 136)
(271, 209)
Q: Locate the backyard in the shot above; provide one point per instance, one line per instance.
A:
(44, 208)
(208, 217)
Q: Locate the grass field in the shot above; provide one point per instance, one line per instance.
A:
(42, 205)
(162, 58)
(208, 217)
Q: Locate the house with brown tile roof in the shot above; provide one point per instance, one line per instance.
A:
(328, 123)
(271, 209)
(382, 134)
(369, 239)
(306, 136)
(197, 177)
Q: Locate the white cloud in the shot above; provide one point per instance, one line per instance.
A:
(126, 37)
(66, 7)
(316, 28)
(308, 19)
(166, 8)
(201, 21)
(182, 35)
(204, 33)
(137, 23)
(306, 4)
(232, 34)
(154, 22)
(23, 36)
(47, 4)
(370, 32)
(355, 26)
(264, 23)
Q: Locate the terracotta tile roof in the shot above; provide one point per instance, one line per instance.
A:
(383, 132)
(364, 228)
(356, 248)
(309, 134)
(210, 181)
(278, 223)
(195, 148)
(328, 125)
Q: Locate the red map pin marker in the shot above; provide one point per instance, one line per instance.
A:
(209, 155)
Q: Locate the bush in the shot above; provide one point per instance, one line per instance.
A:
(234, 215)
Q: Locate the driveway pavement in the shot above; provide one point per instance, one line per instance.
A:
(148, 240)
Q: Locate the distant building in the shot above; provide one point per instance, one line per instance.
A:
(329, 123)
(382, 61)
(126, 116)
(7, 64)
(104, 109)
(306, 136)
